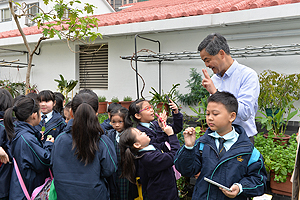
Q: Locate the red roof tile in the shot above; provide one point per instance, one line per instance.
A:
(166, 9)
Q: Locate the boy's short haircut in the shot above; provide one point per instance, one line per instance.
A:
(113, 106)
(89, 91)
(225, 98)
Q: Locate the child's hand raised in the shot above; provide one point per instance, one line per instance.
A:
(234, 191)
(163, 115)
(50, 138)
(173, 106)
(189, 136)
(168, 130)
(3, 156)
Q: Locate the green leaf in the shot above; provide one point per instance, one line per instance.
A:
(57, 33)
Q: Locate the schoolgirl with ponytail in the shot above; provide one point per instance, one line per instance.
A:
(154, 163)
(6, 101)
(32, 155)
(83, 157)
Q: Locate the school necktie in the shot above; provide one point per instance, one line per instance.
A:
(44, 120)
(222, 149)
(152, 126)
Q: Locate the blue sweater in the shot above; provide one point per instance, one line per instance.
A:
(54, 126)
(242, 163)
(5, 169)
(158, 136)
(156, 172)
(33, 159)
(75, 180)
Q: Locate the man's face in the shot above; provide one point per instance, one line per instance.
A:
(216, 63)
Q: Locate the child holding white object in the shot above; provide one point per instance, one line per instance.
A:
(224, 154)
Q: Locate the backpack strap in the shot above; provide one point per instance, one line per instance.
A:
(21, 180)
(254, 156)
(201, 146)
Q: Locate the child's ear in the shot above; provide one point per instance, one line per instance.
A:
(138, 116)
(71, 113)
(34, 115)
(232, 116)
(54, 102)
(136, 145)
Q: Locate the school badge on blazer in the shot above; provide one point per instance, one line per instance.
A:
(239, 158)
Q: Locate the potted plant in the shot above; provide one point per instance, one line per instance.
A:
(200, 110)
(276, 124)
(32, 89)
(160, 102)
(102, 117)
(277, 90)
(279, 161)
(14, 89)
(65, 86)
(114, 100)
(127, 100)
(102, 104)
(197, 91)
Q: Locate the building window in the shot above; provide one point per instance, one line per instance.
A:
(93, 67)
(33, 9)
(66, 14)
(5, 15)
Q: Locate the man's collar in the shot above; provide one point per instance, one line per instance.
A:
(230, 70)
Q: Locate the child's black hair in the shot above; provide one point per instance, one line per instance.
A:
(123, 113)
(23, 109)
(58, 103)
(60, 95)
(89, 91)
(86, 129)
(112, 106)
(32, 95)
(6, 100)
(68, 105)
(128, 154)
(225, 98)
(17, 98)
(46, 95)
(135, 108)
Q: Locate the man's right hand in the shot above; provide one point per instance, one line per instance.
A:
(208, 83)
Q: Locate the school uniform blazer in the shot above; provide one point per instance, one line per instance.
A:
(242, 163)
(5, 169)
(156, 172)
(106, 125)
(157, 135)
(32, 157)
(54, 126)
(75, 180)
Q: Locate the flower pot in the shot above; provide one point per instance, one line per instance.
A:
(102, 108)
(162, 106)
(280, 140)
(113, 102)
(281, 188)
(126, 104)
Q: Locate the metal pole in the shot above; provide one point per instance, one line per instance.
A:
(136, 67)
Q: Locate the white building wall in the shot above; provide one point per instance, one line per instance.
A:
(56, 59)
